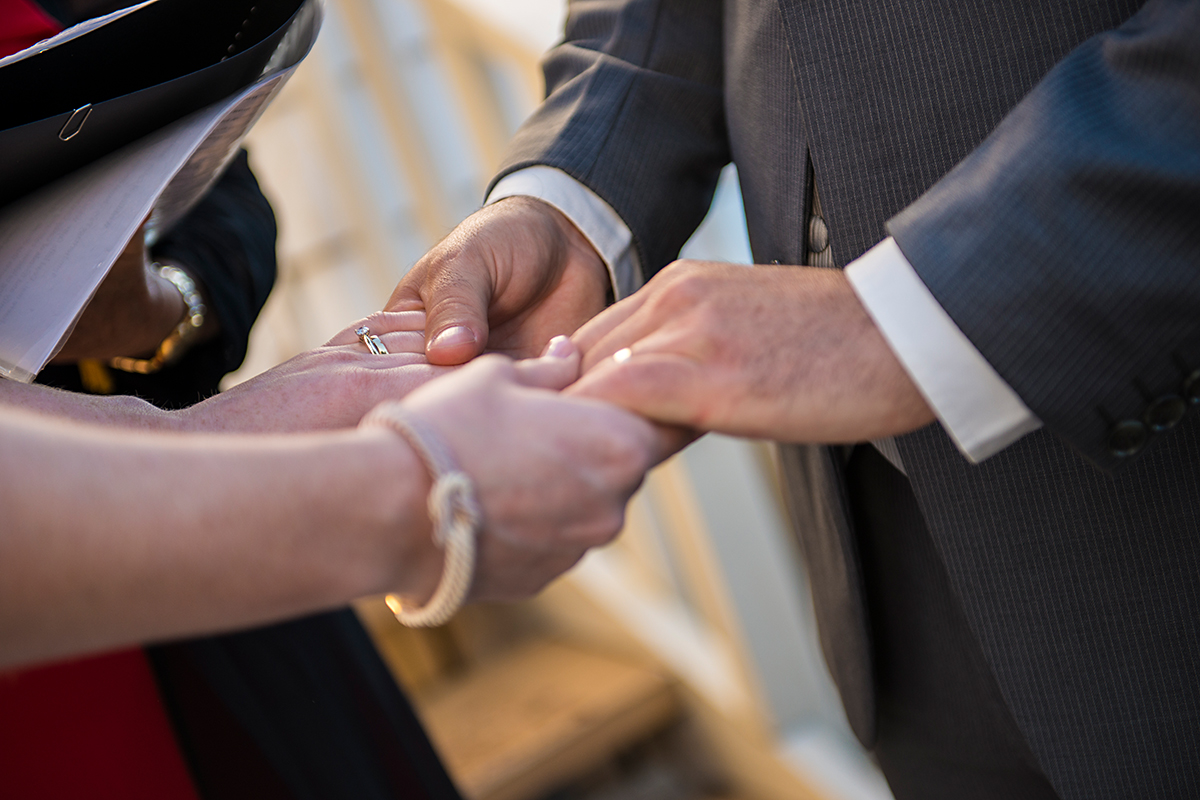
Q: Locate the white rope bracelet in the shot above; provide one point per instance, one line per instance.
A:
(452, 508)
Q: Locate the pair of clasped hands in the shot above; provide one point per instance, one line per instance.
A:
(557, 444)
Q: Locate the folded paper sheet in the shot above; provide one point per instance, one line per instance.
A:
(57, 244)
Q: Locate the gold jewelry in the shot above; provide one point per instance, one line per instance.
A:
(373, 343)
(181, 337)
(94, 376)
(452, 508)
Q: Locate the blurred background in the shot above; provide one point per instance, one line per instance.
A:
(680, 663)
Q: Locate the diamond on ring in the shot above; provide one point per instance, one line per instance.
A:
(373, 343)
(622, 355)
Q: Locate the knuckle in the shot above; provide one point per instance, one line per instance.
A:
(689, 288)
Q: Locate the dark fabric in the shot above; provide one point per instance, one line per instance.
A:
(622, 91)
(59, 10)
(1117, 125)
(1080, 587)
(945, 732)
(1084, 592)
(817, 504)
(314, 698)
(225, 760)
(227, 243)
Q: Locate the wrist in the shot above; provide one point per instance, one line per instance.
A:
(569, 237)
(396, 508)
(865, 391)
(181, 302)
(454, 515)
(157, 303)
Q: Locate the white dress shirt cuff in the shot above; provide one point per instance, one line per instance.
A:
(594, 218)
(979, 410)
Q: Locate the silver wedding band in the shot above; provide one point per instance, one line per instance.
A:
(373, 342)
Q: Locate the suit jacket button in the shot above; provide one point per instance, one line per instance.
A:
(1165, 412)
(1127, 437)
(818, 235)
(1191, 387)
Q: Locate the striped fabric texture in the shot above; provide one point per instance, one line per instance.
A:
(1038, 162)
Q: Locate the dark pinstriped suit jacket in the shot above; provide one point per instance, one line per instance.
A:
(1039, 164)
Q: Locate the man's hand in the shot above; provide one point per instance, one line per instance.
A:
(785, 353)
(333, 386)
(133, 310)
(552, 473)
(507, 279)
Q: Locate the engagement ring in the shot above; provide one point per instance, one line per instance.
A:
(373, 343)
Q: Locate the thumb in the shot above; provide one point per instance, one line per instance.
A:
(557, 368)
(456, 325)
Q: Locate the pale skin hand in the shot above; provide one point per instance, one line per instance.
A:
(507, 279)
(332, 386)
(205, 533)
(786, 353)
(133, 310)
(197, 534)
(553, 474)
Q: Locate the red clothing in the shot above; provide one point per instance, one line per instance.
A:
(23, 23)
(92, 728)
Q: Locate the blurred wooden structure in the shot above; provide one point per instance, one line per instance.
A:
(696, 625)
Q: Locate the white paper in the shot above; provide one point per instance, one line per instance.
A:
(57, 244)
(73, 32)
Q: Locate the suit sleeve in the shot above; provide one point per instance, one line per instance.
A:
(634, 111)
(1067, 246)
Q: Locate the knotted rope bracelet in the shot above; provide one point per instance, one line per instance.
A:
(453, 510)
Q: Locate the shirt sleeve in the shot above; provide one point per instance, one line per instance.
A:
(594, 218)
(978, 409)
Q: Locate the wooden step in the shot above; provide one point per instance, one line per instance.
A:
(529, 720)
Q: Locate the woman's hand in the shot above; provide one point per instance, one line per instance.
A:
(552, 473)
(332, 386)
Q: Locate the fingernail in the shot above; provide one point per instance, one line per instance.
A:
(453, 336)
(559, 347)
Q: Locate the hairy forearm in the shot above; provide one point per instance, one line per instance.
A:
(121, 411)
(112, 538)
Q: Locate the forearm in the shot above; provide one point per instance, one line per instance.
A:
(198, 533)
(120, 411)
